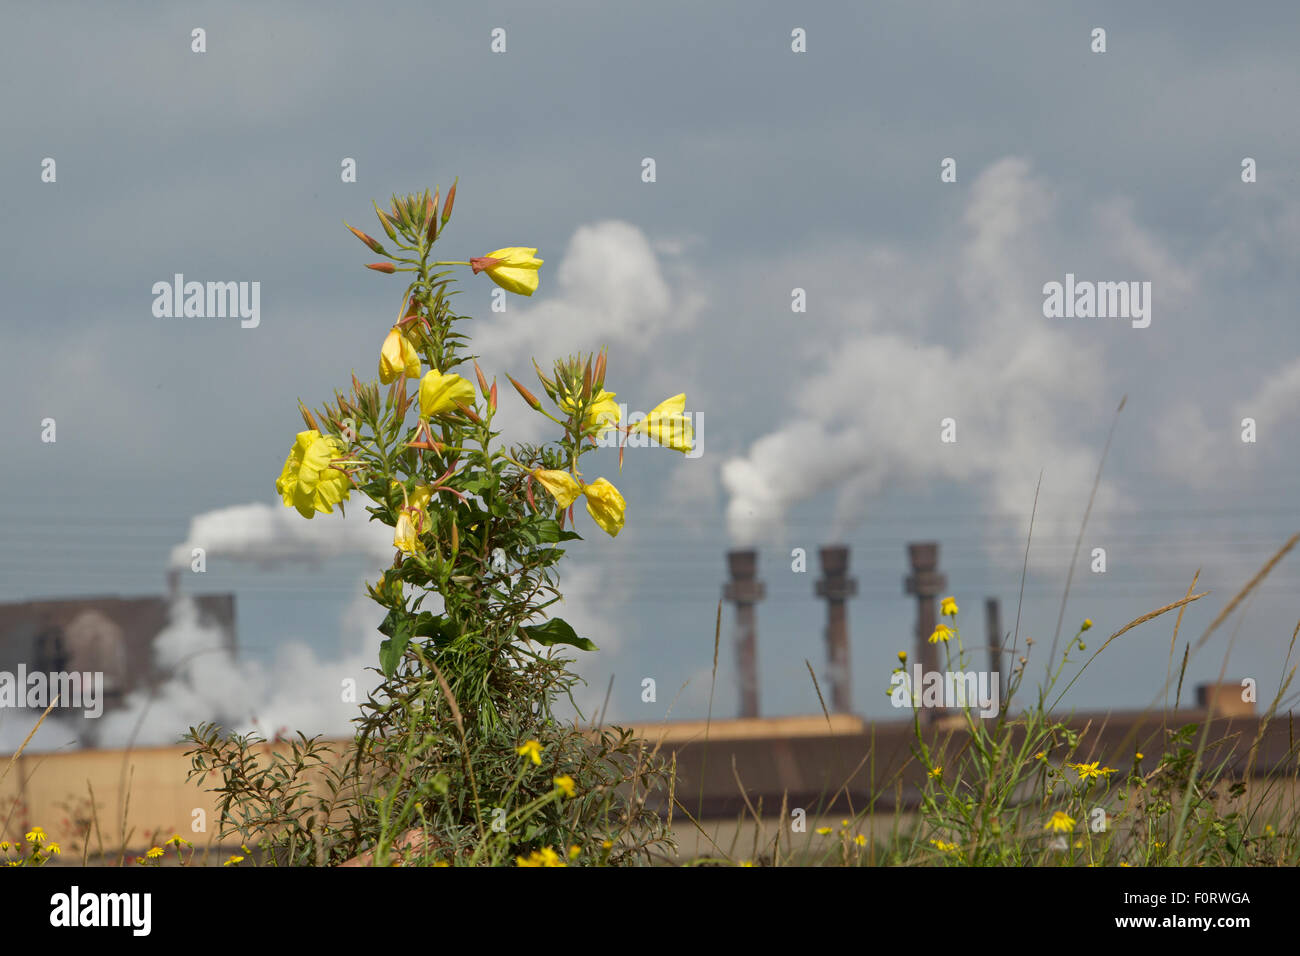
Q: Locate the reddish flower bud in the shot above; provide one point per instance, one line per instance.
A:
(366, 239)
(385, 267)
(482, 380)
(528, 396)
(451, 201)
(492, 397)
(479, 263)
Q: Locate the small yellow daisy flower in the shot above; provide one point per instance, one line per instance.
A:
(942, 632)
(35, 835)
(1087, 771)
(1060, 823)
(860, 840)
(154, 853)
(531, 749)
(936, 773)
(948, 607)
(823, 831)
(565, 783)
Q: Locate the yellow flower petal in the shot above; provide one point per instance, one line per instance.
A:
(667, 424)
(515, 269)
(398, 357)
(440, 393)
(307, 482)
(564, 488)
(605, 505)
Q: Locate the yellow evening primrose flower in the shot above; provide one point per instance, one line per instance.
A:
(605, 505)
(413, 520)
(564, 488)
(307, 482)
(667, 424)
(948, 607)
(565, 783)
(1060, 823)
(532, 750)
(35, 835)
(398, 357)
(514, 268)
(154, 852)
(942, 632)
(406, 536)
(440, 393)
(603, 413)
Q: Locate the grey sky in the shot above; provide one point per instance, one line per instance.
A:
(775, 170)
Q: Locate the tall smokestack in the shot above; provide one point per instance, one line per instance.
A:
(837, 587)
(993, 625)
(745, 590)
(926, 583)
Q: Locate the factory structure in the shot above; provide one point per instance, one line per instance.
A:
(108, 636)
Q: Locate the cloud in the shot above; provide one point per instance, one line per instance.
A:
(1018, 386)
(273, 534)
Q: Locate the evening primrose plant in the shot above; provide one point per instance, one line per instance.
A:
(477, 534)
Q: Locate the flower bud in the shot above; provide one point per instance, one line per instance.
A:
(307, 418)
(366, 239)
(482, 380)
(528, 396)
(431, 213)
(451, 201)
(385, 222)
(492, 397)
(385, 267)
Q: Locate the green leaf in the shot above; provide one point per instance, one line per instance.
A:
(557, 631)
(548, 531)
(390, 653)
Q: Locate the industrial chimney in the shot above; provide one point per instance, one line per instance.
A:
(745, 590)
(926, 583)
(837, 587)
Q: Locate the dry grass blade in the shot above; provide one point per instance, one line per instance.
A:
(19, 752)
(1250, 586)
(817, 688)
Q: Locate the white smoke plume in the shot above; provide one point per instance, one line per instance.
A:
(1026, 394)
